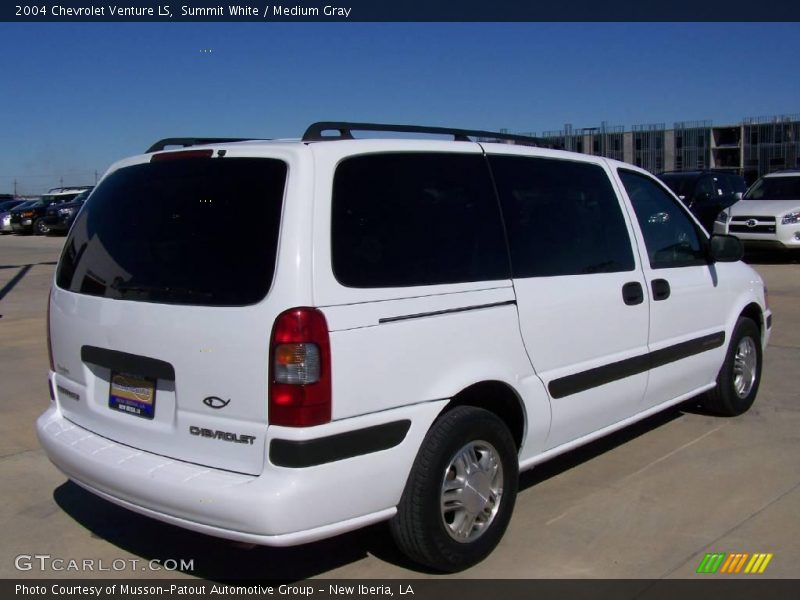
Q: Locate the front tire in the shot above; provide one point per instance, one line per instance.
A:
(39, 227)
(740, 375)
(461, 491)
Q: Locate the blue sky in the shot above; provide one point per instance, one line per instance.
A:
(77, 97)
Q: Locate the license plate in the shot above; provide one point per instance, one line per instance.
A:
(132, 394)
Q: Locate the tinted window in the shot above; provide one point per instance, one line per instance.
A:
(670, 235)
(187, 231)
(705, 189)
(9, 204)
(415, 219)
(562, 217)
(58, 199)
(681, 185)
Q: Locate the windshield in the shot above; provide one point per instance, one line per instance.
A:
(200, 231)
(775, 188)
(8, 205)
(681, 185)
(60, 198)
(26, 204)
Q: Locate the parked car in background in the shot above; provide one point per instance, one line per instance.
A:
(705, 192)
(31, 219)
(15, 217)
(769, 214)
(59, 217)
(5, 214)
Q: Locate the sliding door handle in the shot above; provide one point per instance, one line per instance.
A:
(632, 293)
(660, 289)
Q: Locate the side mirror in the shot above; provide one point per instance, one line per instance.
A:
(726, 248)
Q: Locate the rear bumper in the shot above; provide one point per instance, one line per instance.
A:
(280, 507)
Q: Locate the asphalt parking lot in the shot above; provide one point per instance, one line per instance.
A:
(647, 502)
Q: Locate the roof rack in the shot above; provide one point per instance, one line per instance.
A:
(186, 142)
(63, 188)
(698, 170)
(315, 133)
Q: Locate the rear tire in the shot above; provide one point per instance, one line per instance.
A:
(740, 375)
(461, 491)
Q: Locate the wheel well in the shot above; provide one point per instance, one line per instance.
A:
(753, 311)
(498, 398)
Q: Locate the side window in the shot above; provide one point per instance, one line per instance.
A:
(562, 217)
(671, 237)
(722, 186)
(406, 219)
(705, 190)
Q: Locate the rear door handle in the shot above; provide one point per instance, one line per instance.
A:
(660, 289)
(632, 293)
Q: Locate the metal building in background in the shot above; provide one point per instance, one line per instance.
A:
(754, 147)
(605, 140)
(565, 139)
(692, 145)
(608, 141)
(769, 144)
(649, 146)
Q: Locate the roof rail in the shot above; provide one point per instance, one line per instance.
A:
(315, 132)
(186, 142)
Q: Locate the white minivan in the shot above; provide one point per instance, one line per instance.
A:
(279, 341)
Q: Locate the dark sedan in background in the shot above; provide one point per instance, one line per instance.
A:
(59, 217)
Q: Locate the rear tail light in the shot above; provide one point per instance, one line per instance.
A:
(50, 349)
(49, 342)
(300, 369)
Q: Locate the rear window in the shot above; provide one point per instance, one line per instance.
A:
(407, 219)
(200, 231)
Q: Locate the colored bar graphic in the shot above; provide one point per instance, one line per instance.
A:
(740, 563)
(758, 563)
(716, 562)
(711, 562)
(729, 563)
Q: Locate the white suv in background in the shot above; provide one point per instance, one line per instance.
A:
(769, 213)
(401, 326)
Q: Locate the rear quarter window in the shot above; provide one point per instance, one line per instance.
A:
(409, 219)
